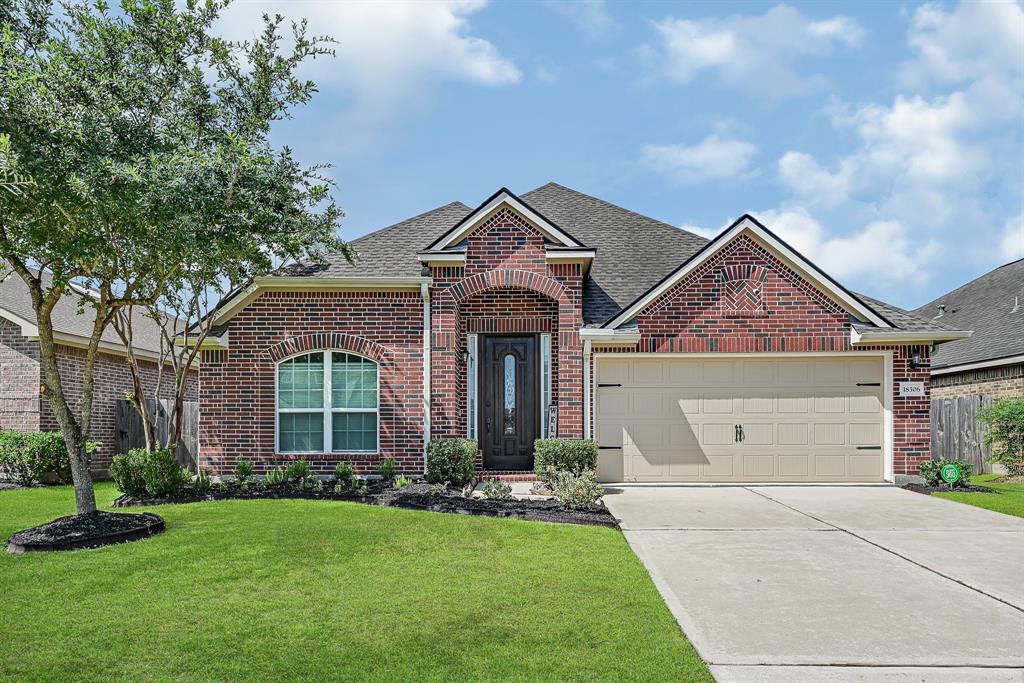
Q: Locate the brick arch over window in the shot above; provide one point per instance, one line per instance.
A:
(508, 279)
(338, 341)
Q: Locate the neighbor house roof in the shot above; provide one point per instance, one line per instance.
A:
(992, 306)
(69, 325)
(633, 252)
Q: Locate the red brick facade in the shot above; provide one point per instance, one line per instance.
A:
(237, 396)
(741, 300)
(23, 408)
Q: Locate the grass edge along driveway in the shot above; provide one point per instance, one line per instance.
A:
(291, 589)
(1009, 500)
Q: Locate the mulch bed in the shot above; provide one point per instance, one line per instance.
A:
(928, 490)
(416, 496)
(90, 530)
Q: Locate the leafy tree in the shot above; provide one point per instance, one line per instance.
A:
(144, 141)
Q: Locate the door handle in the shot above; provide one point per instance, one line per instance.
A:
(488, 425)
(735, 433)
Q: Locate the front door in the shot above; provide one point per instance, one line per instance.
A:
(509, 396)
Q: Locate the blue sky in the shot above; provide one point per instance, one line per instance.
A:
(884, 140)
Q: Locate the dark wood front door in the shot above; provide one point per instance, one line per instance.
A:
(509, 401)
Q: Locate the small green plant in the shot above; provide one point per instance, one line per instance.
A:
(439, 489)
(339, 487)
(931, 471)
(401, 481)
(243, 473)
(344, 471)
(202, 481)
(576, 491)
(1005, 422)
(360, 487)
(495, 489)
(450, 461)
(275, 477)
(386, 469)
(298, 471)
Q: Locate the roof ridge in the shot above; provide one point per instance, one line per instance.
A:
(615, 206)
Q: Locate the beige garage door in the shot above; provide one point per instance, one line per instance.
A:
(741, 420)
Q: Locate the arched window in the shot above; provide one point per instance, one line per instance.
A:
(327, 402)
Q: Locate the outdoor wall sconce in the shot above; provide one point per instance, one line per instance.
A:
(915, 358)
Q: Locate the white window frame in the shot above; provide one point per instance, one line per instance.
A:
(472, 395)
(327, 409)
(545, 383)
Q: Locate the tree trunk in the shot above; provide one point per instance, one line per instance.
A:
(74, 438)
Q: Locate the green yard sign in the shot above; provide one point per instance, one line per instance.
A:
(950, 473)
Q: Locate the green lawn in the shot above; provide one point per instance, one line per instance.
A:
(1010, 499)
(246, 590)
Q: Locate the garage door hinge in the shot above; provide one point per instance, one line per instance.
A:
(601, 384)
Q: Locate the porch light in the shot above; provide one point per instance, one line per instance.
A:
(915, 358)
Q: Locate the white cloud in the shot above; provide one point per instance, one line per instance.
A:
(975, 40)
(808, 178)
(1011, 244)
(389, 54)
(590, 15)
(756, 53)
(884, 250)
(713, 158)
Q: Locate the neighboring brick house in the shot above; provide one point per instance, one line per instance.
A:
(991, 361)
(22, 406)
(559, 314)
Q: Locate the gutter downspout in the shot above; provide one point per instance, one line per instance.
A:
(586, 388)
(425, 294)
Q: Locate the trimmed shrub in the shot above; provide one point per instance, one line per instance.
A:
(243, 473)
(386, 469)
(28, 457)
(930, 471)
(139, 472)
(162, 473)
(495, 489)
(577, 491)
(344, 471)
(126, 471)
(564, 455)
(1005, 421)
(298, 471)
(450, 461)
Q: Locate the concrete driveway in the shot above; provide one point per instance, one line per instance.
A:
(835, 583)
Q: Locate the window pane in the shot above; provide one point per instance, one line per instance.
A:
(300, 382)
(353, 382)
(301, 432)
(510, 394)
(354, 431)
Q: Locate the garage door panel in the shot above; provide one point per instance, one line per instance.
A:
(803, 419)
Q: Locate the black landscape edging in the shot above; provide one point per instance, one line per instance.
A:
(60, 534)
(928, 490)
(413, 497)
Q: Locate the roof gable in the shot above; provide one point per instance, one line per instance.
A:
(503, 198)
(748, 225)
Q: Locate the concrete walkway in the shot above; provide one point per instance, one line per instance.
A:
(837, 583)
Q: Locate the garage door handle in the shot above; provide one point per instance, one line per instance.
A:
(603, 385)
(608, 448)
(869, 384)
(869, 448)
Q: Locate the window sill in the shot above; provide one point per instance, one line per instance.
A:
(340, 455)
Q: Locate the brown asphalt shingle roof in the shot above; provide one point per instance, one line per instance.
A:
(634, 252)
(985, 305)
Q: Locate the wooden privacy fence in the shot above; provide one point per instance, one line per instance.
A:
(130, 433)
(958, 434)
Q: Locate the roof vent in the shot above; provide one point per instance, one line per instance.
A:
(942, 310)
(1016, 304)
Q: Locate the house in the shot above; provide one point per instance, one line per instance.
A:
(558, 314)
(967, 375)
(991, 361)
(24, 408)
